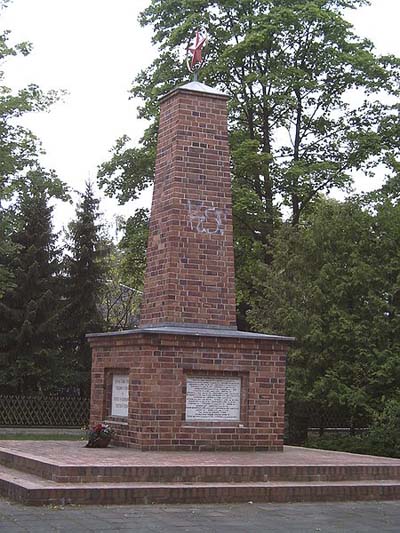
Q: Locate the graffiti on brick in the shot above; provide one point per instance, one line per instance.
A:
(206, 219)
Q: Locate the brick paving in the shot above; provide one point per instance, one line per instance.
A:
(74, 453)
(66, 472)
(361, 517)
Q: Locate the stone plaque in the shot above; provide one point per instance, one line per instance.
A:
(120, 395)
(212, 399)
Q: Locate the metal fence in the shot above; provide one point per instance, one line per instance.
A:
(40, 411)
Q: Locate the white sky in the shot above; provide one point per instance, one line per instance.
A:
(94, 49)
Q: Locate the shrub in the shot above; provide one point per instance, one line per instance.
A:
(383, 437)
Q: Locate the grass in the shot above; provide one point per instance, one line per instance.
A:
(40, 436)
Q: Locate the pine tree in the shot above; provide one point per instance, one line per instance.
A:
(29, 311)
(7, 249)
(85, 273)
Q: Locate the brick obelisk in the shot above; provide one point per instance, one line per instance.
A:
(190, 264)
(186, 379)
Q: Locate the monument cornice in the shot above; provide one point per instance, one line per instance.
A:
(193, 331)
(198, 88)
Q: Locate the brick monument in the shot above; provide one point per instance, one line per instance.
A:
(186, 379)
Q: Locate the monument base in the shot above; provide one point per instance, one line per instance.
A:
(190, 388)
(60, 473)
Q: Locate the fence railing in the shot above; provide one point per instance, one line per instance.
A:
(58, 411)
(40, 411)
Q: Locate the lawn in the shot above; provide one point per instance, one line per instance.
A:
(41, 436)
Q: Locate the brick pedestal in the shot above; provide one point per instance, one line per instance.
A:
(187, 333)
(160, 360)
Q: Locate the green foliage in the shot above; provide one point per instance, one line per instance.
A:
(120, 303)
(29, 310)
(19, 147)
(129, 171)
(7, 250)
(29, 290)
(132, 247)
(345, 443)
(122, 294)
(19, 151)
(288, 67)
(85, 272)
(383, 437)
(310, 103)
(334, 284)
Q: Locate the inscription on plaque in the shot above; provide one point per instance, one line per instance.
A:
(120, 395)
(213, 399)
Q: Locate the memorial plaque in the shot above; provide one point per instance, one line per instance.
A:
(120, 395)
(212, 399)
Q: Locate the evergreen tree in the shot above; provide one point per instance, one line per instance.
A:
(334, 284)
(29, 311)
(7, 250)
(84, 278)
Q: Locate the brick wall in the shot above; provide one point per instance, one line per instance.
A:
(159, 365)
(190, 264)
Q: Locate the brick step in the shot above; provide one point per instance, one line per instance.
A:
(69, 463)
(159, 472)
(33, 490)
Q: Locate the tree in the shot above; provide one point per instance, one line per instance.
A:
(132, 248)
(119, 303)
(289, 67)
(29, 311)
(122, 294)
(7, 249)
(19, 149)
(29, 295)
(334, 284)
(84, 279)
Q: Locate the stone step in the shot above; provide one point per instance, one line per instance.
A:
(33, 490)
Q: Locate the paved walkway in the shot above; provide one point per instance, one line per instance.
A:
(361, 517)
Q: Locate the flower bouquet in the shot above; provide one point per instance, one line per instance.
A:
(99, 436)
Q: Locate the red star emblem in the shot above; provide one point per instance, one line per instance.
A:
(199, 41)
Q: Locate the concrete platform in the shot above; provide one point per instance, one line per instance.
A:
(61, 472)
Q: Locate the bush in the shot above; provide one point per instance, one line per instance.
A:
(341, 443)
(383, 437)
